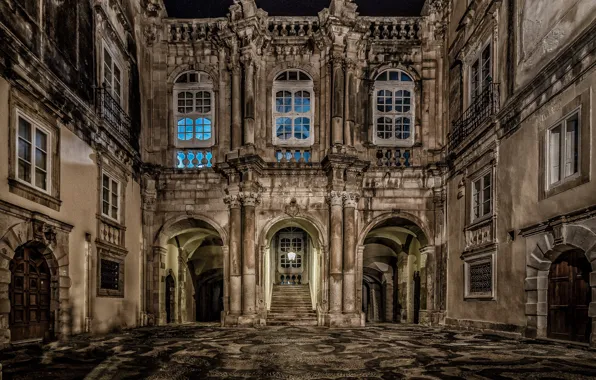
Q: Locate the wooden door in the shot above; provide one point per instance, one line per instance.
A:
(29, 293)
(170, 298)
(569, 298)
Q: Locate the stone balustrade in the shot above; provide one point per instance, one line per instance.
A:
(293, 26)
(293, 155)
(194, 159)
(394, 28)
(192, 30)
(110, 233)
(394, 157)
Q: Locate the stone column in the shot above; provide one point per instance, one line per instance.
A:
(236, 106)
(159, 265)
(388, 317)
(410, 286)
(337, 102)
(235, 234)
(429, 253)
(249, 203)
(335, 200)
(349, 253)
(249, 101)
(350, 66)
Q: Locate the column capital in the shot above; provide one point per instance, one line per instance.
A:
(427, 249)
(335, 198)
(249, 198)
(350, 199)
(233, 201)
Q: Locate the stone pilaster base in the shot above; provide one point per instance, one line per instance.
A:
(345, 320)
(230, 320)
(249, 320)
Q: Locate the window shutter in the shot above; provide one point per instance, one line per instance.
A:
(555, 154)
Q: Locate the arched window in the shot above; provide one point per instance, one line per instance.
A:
(394, 109)
(293, 109)
(194, 109)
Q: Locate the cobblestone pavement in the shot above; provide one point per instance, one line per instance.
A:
(375, 352)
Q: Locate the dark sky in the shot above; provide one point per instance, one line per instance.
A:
(219, 8)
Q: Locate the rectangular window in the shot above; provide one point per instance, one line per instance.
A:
(33, 145)
(480, 73)
(110, 274)
(563, 150)
(480, 276)
(112, 76)
(110, 197)
(482, 196)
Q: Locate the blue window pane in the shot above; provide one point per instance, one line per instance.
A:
(283, 128)
(384, 128)
(384, 101)
(402, 101)
(302, 128)
(394, 75)
(405, 77)
(403, 128)
(185, 129)
(203, 128)
(302, 101)
(283, 101)
(382, 77)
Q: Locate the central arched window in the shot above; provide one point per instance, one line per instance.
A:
(293, 109)
(194, 109)
(394, 109)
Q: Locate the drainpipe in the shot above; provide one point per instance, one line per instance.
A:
(87, 275)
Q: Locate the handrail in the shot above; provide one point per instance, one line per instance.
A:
(111, 111)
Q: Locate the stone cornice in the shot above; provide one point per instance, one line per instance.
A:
(571, 217)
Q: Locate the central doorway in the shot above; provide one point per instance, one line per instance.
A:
(569, 297)
(29, 293)
(170, 298)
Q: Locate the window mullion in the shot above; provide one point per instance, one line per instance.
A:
(562, 151)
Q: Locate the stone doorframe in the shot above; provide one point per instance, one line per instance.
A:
(50, 238)
(544, 245)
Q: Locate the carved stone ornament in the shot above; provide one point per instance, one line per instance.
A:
(335, 198)
(233, 201)
(461, 189)
(250, 198)
(44, 233)
(292, 208)
(350, 199)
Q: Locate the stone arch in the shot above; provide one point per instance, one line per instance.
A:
(198, 66)
(292, 65)
(420, 228)
(309, 224)
(42, 237)
(544, 251)
(410, 70)
(171, 228)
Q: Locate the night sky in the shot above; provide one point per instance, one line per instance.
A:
(219, 8)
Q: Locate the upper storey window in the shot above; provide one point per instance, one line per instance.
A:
(112, 76)
(193, 109)
(293, 109)
(480, 73)
(394, 109)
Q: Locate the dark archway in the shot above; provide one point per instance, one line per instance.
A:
(209, 296)
(569, 297)
(170, 298)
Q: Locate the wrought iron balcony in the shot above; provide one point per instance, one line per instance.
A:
(483, 107)
(110, 110)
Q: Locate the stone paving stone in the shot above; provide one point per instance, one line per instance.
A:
(203, 351)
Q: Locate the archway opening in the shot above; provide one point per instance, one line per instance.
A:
(292, 272)
(569, 297)
(194, 256)
(170, 298)
(394, 273)
(30, 296)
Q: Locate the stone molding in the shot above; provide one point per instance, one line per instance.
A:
(350, 200)
(233, 201)
(249, 198)
(335, 198)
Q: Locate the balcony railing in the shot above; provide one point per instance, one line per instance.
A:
(111, 111)
(293, 155)
(194, 159)
(394, 157)
(483, 107)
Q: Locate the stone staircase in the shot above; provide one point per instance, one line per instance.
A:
(291, 306)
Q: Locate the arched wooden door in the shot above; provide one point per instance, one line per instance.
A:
(29, 293)
(170, 298)
(569, 297)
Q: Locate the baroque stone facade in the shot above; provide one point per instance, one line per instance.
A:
(370, 162)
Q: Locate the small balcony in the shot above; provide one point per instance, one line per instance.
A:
(112, 113)
(482, 109)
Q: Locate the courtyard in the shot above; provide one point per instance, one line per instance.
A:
(202, 351)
